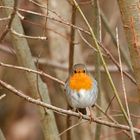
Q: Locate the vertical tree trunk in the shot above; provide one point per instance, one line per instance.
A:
(25, 59)
(130, 13)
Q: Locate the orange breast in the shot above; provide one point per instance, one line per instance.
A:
(80, 81)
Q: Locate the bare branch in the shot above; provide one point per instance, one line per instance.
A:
(33, 71)
(63, 111)
(29, 37)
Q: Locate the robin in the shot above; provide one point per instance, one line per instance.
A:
(81, 88)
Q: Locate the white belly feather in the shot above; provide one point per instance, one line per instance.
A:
(84, 98)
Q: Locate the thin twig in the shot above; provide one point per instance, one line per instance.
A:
(79, 123)
(124, 89)
(110, 118)
(28, 37)
(108, 29)
(110, 103)
(33, 71)
(82, 37)
(2, 96)
(46, 8)
(40, 25)
(5, 18)
(116, 63)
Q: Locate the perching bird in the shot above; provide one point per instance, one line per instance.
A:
(81, 88)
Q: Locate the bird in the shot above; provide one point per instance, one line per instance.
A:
(81, 88)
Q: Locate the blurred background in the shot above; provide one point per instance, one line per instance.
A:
(68, 42)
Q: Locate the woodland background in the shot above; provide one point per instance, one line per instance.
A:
(40, 40)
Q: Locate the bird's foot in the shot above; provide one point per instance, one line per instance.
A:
(80, 115)
(90, 115)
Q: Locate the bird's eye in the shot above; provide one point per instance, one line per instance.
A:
(75, 71)
(84, 71)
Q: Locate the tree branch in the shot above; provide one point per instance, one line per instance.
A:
(63, 111)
